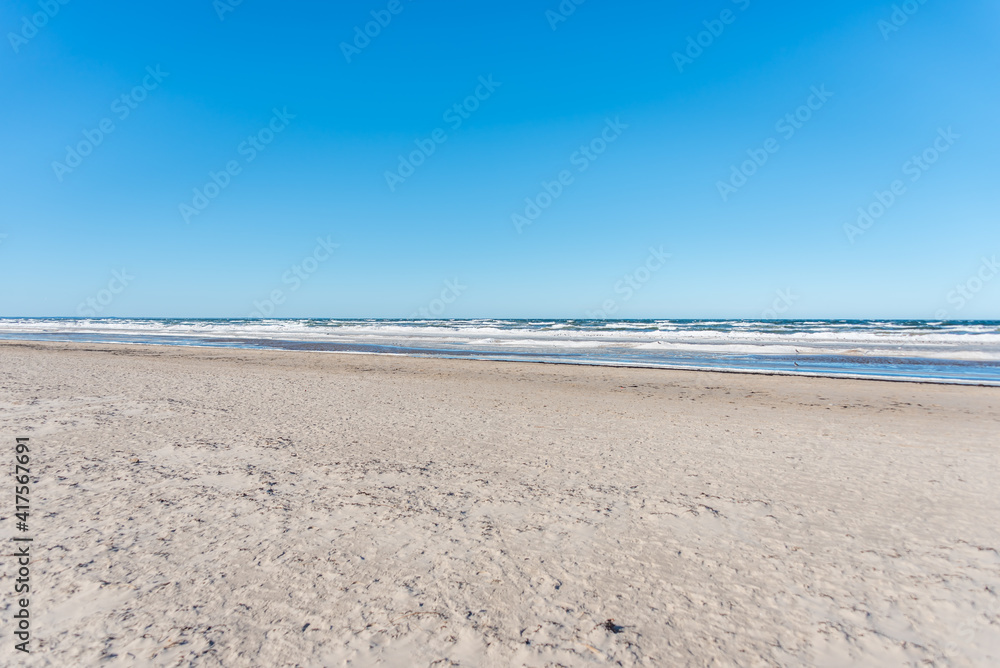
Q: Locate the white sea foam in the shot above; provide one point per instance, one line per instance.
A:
(974, 341)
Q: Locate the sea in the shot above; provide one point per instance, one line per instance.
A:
(966, 352)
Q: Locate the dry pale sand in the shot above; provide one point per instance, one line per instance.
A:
(249, 508)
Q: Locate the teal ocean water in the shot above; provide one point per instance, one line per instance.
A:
(940, 351)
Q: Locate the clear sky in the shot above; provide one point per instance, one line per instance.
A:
(627, 126)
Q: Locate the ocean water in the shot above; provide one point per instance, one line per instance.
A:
(952, 351)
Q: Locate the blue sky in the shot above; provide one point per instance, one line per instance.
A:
(642, 137)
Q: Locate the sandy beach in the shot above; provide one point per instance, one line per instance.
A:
(213, 507)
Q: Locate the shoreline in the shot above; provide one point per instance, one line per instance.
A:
(475, 357)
